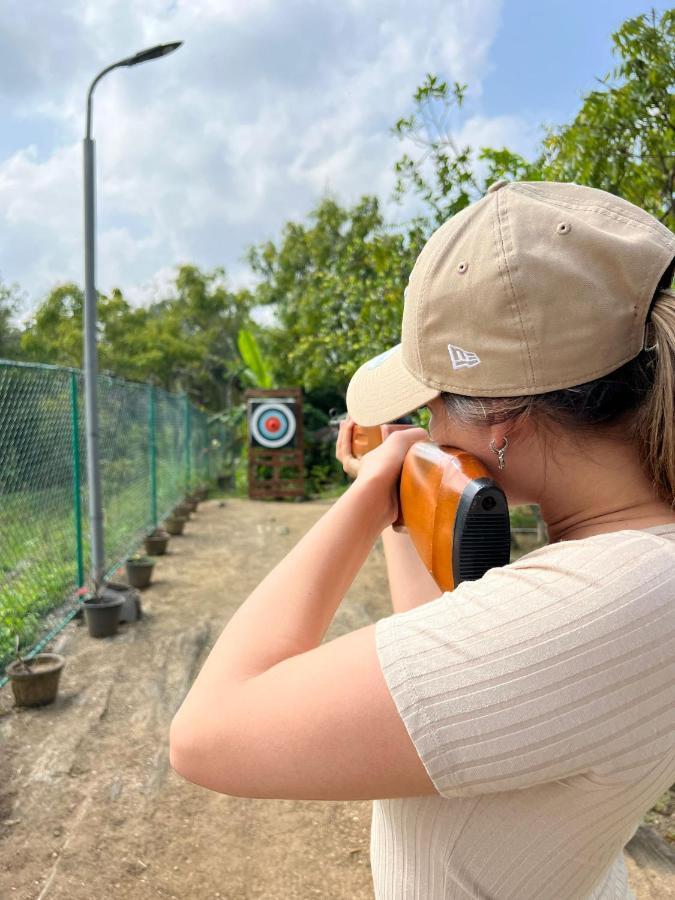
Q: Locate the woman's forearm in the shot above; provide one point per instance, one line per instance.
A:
(410, 583)
(292, 607)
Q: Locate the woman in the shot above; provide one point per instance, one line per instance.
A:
(511, 733)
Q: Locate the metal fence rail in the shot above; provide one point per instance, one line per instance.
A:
(155, 446)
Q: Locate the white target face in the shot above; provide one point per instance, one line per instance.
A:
(272, 424)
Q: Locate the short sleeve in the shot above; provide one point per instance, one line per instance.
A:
(526, 675)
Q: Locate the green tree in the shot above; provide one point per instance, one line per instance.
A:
(622, 140)
(258, 370)
(442, 173)
(189, 341)
(54, 333)
(336, 288)
(185, 342)
(10, 300)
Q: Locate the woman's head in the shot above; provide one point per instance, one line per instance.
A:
(633, 406)
(526, 313)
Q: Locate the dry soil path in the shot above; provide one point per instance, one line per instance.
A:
(89, 806)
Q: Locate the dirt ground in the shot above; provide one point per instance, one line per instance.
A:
(89, 806)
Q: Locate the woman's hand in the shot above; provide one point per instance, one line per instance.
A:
(383, 464)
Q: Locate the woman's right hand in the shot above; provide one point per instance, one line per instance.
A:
(343, 448)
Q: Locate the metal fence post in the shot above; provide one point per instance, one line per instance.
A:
(152, 445)
(188, 441)
(77, 496)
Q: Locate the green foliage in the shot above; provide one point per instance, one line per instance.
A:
(523, 516)
(321, 466)
(186, 342)
(442, 174)
(336, 287)
(622, 140)
(258, 370)
(39, 531)
(9, 335)
(229, 429)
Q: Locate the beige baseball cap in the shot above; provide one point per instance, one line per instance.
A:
(537, 286)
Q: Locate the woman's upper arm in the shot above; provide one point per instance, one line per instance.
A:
(321, 725)
(410, 583)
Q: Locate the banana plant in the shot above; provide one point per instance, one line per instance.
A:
(257, 369)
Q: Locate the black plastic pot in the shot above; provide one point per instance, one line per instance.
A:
(175, 524)
(139, 572)
(39, 685)
(156, 543)
(182, 509)
(103, 616)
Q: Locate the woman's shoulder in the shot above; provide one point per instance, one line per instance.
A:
(598, 556)
(624, 540)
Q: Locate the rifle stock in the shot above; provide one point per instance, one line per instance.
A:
(456, 514)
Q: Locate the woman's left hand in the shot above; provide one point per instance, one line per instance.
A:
(382, 465)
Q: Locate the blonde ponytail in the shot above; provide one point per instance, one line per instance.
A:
(655, 423)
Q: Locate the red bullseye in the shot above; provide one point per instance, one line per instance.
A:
(272, 424)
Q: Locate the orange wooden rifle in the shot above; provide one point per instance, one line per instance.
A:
(456, 514)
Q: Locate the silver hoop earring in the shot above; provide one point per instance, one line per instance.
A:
(501, 451)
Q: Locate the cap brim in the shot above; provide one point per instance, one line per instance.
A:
(383, 390)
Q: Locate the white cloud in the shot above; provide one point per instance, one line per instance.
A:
(266, 106)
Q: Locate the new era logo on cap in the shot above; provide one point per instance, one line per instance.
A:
(462, 359)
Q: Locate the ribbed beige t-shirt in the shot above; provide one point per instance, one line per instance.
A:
(541, 701)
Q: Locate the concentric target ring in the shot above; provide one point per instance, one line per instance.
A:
(272, 425)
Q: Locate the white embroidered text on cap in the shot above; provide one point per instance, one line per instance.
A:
(462, 359)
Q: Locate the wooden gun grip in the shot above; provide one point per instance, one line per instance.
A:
(456, 514)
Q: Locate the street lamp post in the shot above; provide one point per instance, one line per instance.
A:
(90, 351)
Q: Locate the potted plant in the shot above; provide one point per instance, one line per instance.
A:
(191, 502)
(35, 681)
(156, 542)
(183, 509)
(102, 610)
(139, 570)
(201, 493)
(175, 524)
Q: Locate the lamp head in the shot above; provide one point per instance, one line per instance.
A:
(152, 53)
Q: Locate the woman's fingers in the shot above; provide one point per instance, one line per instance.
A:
(343, 448)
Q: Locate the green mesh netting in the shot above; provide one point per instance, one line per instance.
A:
(154, 447)
(38, 534)
(171, 450)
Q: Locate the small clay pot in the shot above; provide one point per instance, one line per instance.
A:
(175, 524)
(201, 493)
(103, 616)
(156, 542)
(182, 509)
(37, 686)
(191, 503)
(139, 572)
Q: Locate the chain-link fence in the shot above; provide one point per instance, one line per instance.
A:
(154, 447)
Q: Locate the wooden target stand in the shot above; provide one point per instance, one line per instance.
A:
(268, 467)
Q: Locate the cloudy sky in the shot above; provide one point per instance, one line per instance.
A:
(269, 105)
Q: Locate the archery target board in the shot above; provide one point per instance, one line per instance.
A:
(272, 423)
